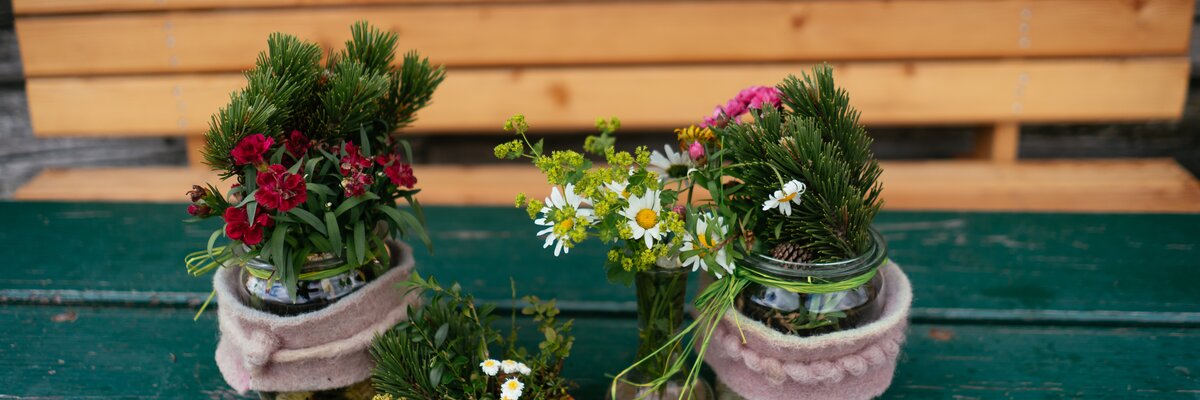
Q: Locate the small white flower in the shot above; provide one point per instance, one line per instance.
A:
(490, 367)
(523, 369)
(620, 188)
(512, 388)
(506, 396)
(784, 198)
(559, 201)
(670, 163)
(509, 366)
(643, 217)
(705, 242)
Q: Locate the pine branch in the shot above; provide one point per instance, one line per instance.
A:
(819, 142)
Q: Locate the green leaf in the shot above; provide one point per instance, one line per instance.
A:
(360, 242)
(354, 201)
(321, 243)
(440, 336)
(212, 240)
(247, 199)
(309, 218)
(296, 167)
(435, 376)
(320, 190)
(276, 245)
(335, 233)
(537, 148)
(251, 211)
(366, 143)
(405, 219)
(310, 166)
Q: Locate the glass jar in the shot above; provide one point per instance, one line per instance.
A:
(661, 294)
(272, 296)
(808, 314)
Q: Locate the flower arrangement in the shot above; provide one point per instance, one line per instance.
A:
(784, 173)
(318, 169)
(444, 351)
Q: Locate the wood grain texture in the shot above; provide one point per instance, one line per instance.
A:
(153, 353)
(659, 97)
(576, 33)
(1150, 185)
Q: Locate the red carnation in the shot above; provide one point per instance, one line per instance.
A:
(280, 190)
(353, 161)
(298, 144)
(251, 149)
(238, 226)
(400, 173)
(356, 183)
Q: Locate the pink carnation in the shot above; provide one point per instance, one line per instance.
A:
(749, 98)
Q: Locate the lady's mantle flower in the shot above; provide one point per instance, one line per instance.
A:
(561, 214)
(671, 163)
(251, 149)
(643, 217)
(280, 190)
(783, 198)
(710, 232)
(490, 367)
(512, 388)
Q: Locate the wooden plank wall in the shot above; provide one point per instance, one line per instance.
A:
(99, 69)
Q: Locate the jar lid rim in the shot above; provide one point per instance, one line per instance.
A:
(871, 258)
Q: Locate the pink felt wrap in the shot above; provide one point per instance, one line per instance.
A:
(852, 364)
(320, 350)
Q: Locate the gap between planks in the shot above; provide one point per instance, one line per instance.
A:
(1120, 185)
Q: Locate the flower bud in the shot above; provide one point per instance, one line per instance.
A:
(199, 210)
(197, 193)
(696, 150)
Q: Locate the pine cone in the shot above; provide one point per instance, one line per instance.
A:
(791, 252)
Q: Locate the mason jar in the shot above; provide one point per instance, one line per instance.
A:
(808, 314)
(326, 287)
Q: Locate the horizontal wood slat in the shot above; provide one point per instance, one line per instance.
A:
(575, 33)
(655, 97)
(1154, 185)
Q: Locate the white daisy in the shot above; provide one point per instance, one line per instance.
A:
(670, 163)
(620, 188)
(523, 369)
(559, 201)
(512, 388)
(490, 367)
(643, 217)
(509, 366)
(784, 198)
(705, 242)
(506, 396)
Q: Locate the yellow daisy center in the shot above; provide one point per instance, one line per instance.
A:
(646, 218)
(489, 363)
(703, 239)
(512, 385)
(788, 198)
(566, 224)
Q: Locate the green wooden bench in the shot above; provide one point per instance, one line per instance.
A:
(94, 301)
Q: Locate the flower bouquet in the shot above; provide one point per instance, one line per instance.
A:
(312, 216)
(773, 196)
(444, 351)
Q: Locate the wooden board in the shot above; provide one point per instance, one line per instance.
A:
(973, 267)
(650, 32)
(150, 353)
(661, 97)
(1055, 293)
(1147, 185)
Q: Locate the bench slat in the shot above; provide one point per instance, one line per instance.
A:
(650, 32)
(1132, 185)
(660, 97)
(124, 352)
(1065, 268)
